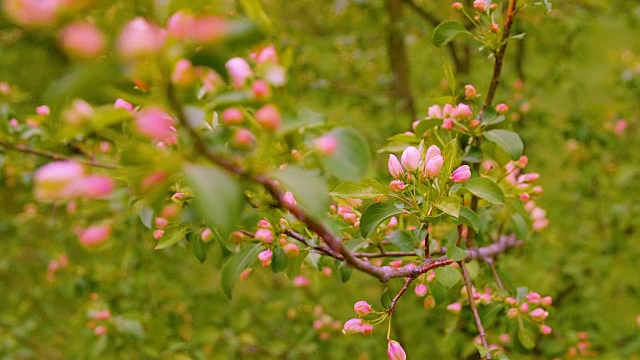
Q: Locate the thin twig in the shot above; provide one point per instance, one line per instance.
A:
(399, 295)
(54, 156)
(472, 305)
(492, 266)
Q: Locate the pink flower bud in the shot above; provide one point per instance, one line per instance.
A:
(533, 298)
(83, 40)
(157, 234)
(95, 235)
(448, 110)
(461, 174)
(122, 104)
(260, 89)
(209, 29)
(545, 329)
(288, 199)
(434, 112)
(206, 235)
(410, 159)
(265, 257)
(301, 281)
(232, 116)
(366, 329)
(433, 166)
(455, 308)
(463, 111)
(100, 330)
(524, 197)
(395, 168)
(350, 218)
(474, 123)
(36, 13)
(265, 54)
(540, 224)
(244, 275)
(396, 264)
(326, 145)
(621, 126)
(181, 25)
(511, 301)
(243, 138)
(154, 123)
(291, 250)
(58, 180)
(352, 326)
(43, 110)
(429, 302)
(161, 222)
(362, 308)
(480, 5)
(264, 235)
(512, 313)
(265, 224)
(457, 6)
(102, 315)
(269, 117)
(546, 301)
(502, 108)
(239, 71)
(421, 290)
(140, 38)
(184, 74)
(396, 186)
(432, 151)
(448, 123)
(97, 186)
(395, 351)
(79, 112)
(538, 314)
(524, 307)
(470, 91)
(493, 6)
(528, 178)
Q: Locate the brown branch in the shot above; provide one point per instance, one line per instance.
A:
(321, 249)
(472, 305)
(497, 66)
(399, 295)
(489, 252)
(54, 156)
(492, 266)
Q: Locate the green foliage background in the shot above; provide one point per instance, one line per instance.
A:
(582, 73)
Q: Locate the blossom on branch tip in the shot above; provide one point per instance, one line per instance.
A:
(470, 91)
(362, 308)
(461, 174)
(395, 351)
(457, 6)
(434, 112)
(502, 108)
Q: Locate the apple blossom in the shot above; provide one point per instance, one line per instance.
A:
(410, 159)
(326, 145)
(269, 117)
(395, 351)
(265, 257)
(82, 39)
(239, 71)
(461, 174)
(95, 235)
(433, 166)
(140, 38)
(58, 180)
(362, 308)
(395, 168)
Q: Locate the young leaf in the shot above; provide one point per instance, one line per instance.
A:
(293, 265)
(218, 197)
(456, 254)
(345, 273)
(199, 247)
(446, 31)
(509, 141)
(278, 260)
(146, 216)
(526, 336)
(255, 12)
(351, 158)
(482, 350)
(470, 217)
(235, 264)
(367, 188)
(307, 187)
(450, 205)
(401, 239)
(171, 237)
(447, 276)
(485, 189)
(374, 215)
(385, 300)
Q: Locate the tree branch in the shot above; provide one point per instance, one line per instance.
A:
(400, 293)
(472, 305)
(51, 155)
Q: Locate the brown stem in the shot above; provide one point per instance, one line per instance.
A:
(472, 305)
(399, 295)
(499, 55)
(52, 155)
(492, 266)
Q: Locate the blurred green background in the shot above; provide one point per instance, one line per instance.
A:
(572, 78)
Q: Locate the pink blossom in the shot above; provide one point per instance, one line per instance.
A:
(395, 351)
(461, 174)
(265, 54)
(209, 29)
(244, 275)
(480, 5)
(58, 180)
(470, 91)
(140, 38)
(362, 308)
(448, 110)
(95, 235)
(432, 151)
(538, 314)
(410, 159)
(43, 110)
(463, 111)
(288, 199)
(421, 290)
(457, 6)
(545, 329)
(265, 257)
(301, 281)
(79, 112)
(264, 235)
(206, 235)
(524, 307)
(123, 104)
(352, 326)
(546, 301)
(155, 123)
(502, 108)
(448, 123)
(326, 145)
(239, 71)
(455, 308)
(184, 74)
(433, 166)
(434, 112)
(97, 186)
(82, 39)
(243, 138)
(533, 298)
(494, 27)
(621, 126)
(232, 116)
(102, 315)
(260, 89)
(264, 223)
(157, 234)
(269, 117)
(395, 168)
(161, 222)
(36, 13)
(100, 330)
(396, 186)
(181, 25)
(291, 250)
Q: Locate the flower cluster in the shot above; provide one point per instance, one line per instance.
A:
(531, 307)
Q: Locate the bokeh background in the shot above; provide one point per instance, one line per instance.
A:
(568, 83)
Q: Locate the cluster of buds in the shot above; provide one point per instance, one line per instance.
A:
(582, 349)
(532, 307)
(98, 321)
(168, 212)
(454, 115)
(348, 211)
(325, 324)
(55, 265)
(265, 234)
(357, 325)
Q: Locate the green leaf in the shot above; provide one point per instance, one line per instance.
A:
(402, 240)
(447, 31)
(439, 292)
(307, 187)
(447, 276)
(255, 12)
(526, 336)
(236, 264)
(218, 197)
(345, 273)
(293, 265)
(385, 300)
(375, 214)
(367, 188)
(171, 237)
(242, 33)
(488, 314)
(485, 189)
(470, 217)
(520, 226)
(490, 116)
(199, 247)
(425, 125)
(482, 350)
(146, 216)
(450, 205)
(509, 141)
(278, 260)
(456, 254)
(450, 154)
(351, 158)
